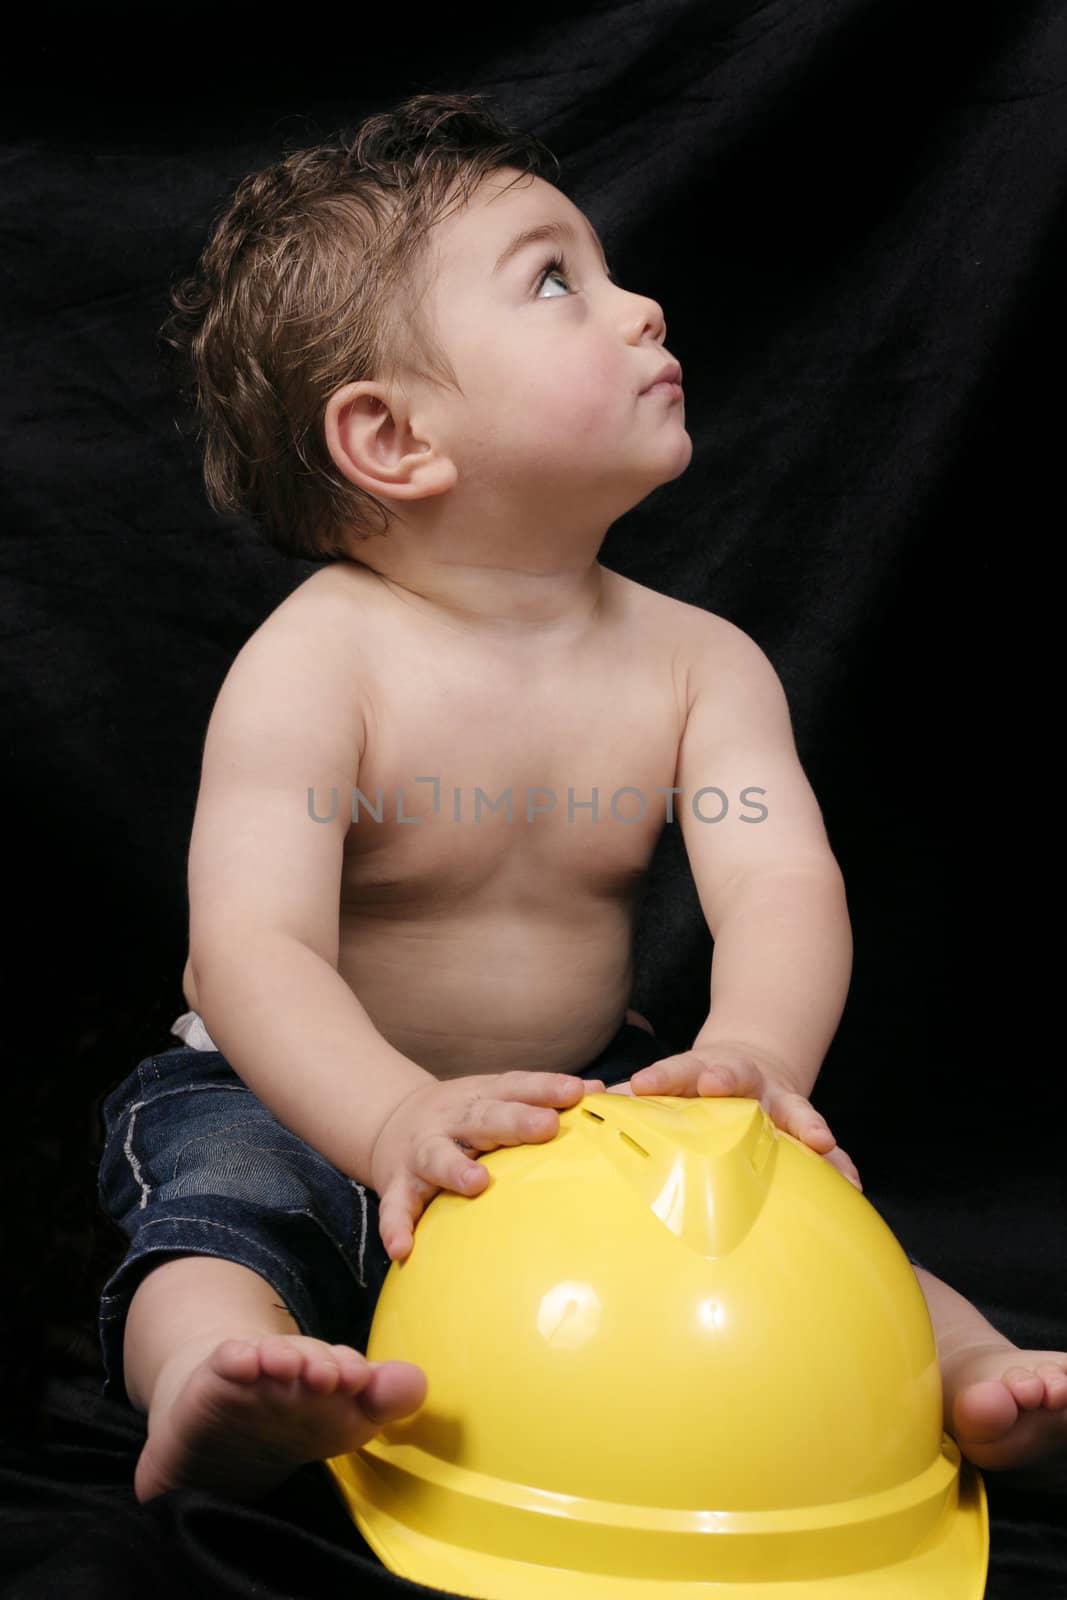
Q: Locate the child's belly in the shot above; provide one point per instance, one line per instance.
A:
(494, 989)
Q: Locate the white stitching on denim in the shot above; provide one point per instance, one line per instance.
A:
(167, 1094)
(135, 1165)
(192, 1088)
(362, 1228)
(197, 1088)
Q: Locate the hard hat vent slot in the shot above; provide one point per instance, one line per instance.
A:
(594, 1116)
(633, 1142)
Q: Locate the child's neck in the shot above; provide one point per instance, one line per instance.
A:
(497, 600)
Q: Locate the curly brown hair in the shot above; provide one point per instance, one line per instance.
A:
(312, 277)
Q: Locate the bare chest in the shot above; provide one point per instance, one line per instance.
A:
(520, 789)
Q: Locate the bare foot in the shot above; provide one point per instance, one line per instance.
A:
(1005, 1406)
(254, 1410)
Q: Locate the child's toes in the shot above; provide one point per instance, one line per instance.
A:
(236, 1360)
(1025, 1387)
(321, 1373)
(352, 1366)
(281, 1357)
(1055, 1380)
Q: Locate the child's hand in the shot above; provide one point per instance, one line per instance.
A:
(422, 1146)
(741, 1073)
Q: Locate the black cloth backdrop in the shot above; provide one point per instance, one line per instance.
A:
(853, 214)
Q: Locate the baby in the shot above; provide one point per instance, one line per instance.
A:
(432, 784)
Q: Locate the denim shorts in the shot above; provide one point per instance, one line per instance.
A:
(194, 1164)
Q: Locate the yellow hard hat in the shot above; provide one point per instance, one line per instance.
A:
(670, 1352)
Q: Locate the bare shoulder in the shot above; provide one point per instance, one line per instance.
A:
(326, 620)
(319, 613)
(302, 664)
(695, 623)
(707, 648)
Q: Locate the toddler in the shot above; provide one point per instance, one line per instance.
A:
(432, 784)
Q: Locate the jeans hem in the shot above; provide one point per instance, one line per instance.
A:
(178, 1236)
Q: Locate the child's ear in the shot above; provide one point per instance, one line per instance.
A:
(371, 441)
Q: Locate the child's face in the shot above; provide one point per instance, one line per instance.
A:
(551, 366)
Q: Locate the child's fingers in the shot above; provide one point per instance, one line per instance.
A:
(486, 1124)
(845, 1165)
(453, 1159)
(734, 1076)
(537, 1088)
(671, 1075)
(800, 1118)
(516, 1108)
(693, 1073)
(688, 1074)
(398, 1211)
(443, 1166)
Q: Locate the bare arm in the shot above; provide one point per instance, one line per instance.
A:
(780, 972)
(771, 891)
(264, 897)
(769, 885)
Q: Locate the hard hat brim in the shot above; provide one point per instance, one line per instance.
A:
(951, 1563)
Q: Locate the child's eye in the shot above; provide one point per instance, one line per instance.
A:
(557, 267)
